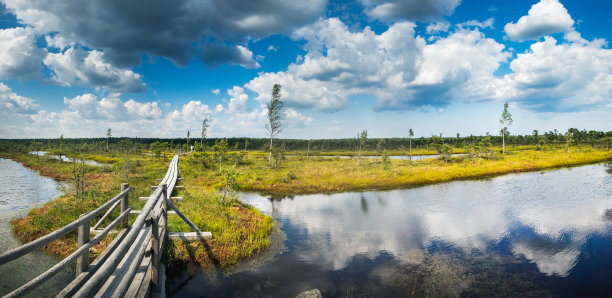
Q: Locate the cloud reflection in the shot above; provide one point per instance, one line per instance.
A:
(545, 216)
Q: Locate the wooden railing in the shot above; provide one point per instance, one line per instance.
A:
(130, 265)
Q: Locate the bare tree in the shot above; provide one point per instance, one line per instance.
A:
(275, 107)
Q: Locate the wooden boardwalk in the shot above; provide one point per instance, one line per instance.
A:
(130, 266)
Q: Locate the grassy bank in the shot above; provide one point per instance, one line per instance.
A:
(303, 175)
(239, 231)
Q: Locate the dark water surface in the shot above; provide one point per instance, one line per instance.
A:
(532, 234)
(23, 189)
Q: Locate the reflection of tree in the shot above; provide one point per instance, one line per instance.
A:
(609, 170)
(364, 204)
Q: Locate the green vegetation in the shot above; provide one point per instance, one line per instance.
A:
(213, 175)
(239, 231)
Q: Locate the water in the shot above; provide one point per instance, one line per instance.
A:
(64, 158)
(21, 190)
(531, 234)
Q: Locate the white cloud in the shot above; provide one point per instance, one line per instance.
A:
(296, 119)
(216, 91)
(14, 103)
(488, 23)
(112, 108)
(420, 10)
(77, 66)
(238, 100)
(399, 68)
(436, 27)
(272, 48)
(544, 17)
(561, 77)
(215, 54)
(19, 57)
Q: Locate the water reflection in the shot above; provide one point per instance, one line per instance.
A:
(64, 158)
(21, 190)
(522, 233)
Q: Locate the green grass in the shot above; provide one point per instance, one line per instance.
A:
(302, 175)
(239, 231)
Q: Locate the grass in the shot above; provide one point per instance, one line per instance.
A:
(239, 231)
(302, 175)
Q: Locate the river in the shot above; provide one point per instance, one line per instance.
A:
(546, 233)
(23, 189)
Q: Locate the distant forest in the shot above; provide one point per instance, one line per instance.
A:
(577, 137)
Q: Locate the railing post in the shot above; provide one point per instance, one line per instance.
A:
(83, 237)
(125, 202)
(154, 249)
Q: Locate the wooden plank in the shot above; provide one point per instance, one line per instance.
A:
(178, 199)
(81, 279)
(144, 198)
(138, 212)
(112, 282)
(189, 236)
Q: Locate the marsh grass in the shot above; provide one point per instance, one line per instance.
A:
(239, 231)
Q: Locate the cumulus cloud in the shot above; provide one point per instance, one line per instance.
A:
(436, 27)
(554, 76)
(125, 29)
(544, 17)
(216, 91)
(77, 66)
(399, 68)
(418, 10)
(215, 54)
(111, 107)
(19, 57)
(294, 118)
(15, 103)
(238, 100)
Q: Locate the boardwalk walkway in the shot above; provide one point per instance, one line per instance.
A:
(130, 265)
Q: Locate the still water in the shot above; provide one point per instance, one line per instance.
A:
(64, 158)
(531, 234)
(23, 189)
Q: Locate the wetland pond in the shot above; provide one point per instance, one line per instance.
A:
(23, 189)
(544, 233)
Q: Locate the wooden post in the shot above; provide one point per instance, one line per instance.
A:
(125, 202)
(154, 249)
(83, 237)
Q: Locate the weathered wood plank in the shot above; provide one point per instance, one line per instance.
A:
(189, 236)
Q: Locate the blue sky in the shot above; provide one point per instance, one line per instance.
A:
(158, 68)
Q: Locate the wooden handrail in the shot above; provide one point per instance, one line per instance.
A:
(17, 252)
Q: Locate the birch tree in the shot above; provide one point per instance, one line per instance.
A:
(275, 107)
(505, 121)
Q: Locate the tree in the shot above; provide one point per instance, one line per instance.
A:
(230, 185)
(204, 129)
(275, 107)
(108, 136)
(219, 150)
(505, 121)
(569, 137)
(363, 137)
(410, 134)
(188, 144)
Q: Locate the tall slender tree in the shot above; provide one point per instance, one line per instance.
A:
(410, 134)
(274, 126)
(363, 137)
(108, 136)
(204, 129)
(505, 121)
